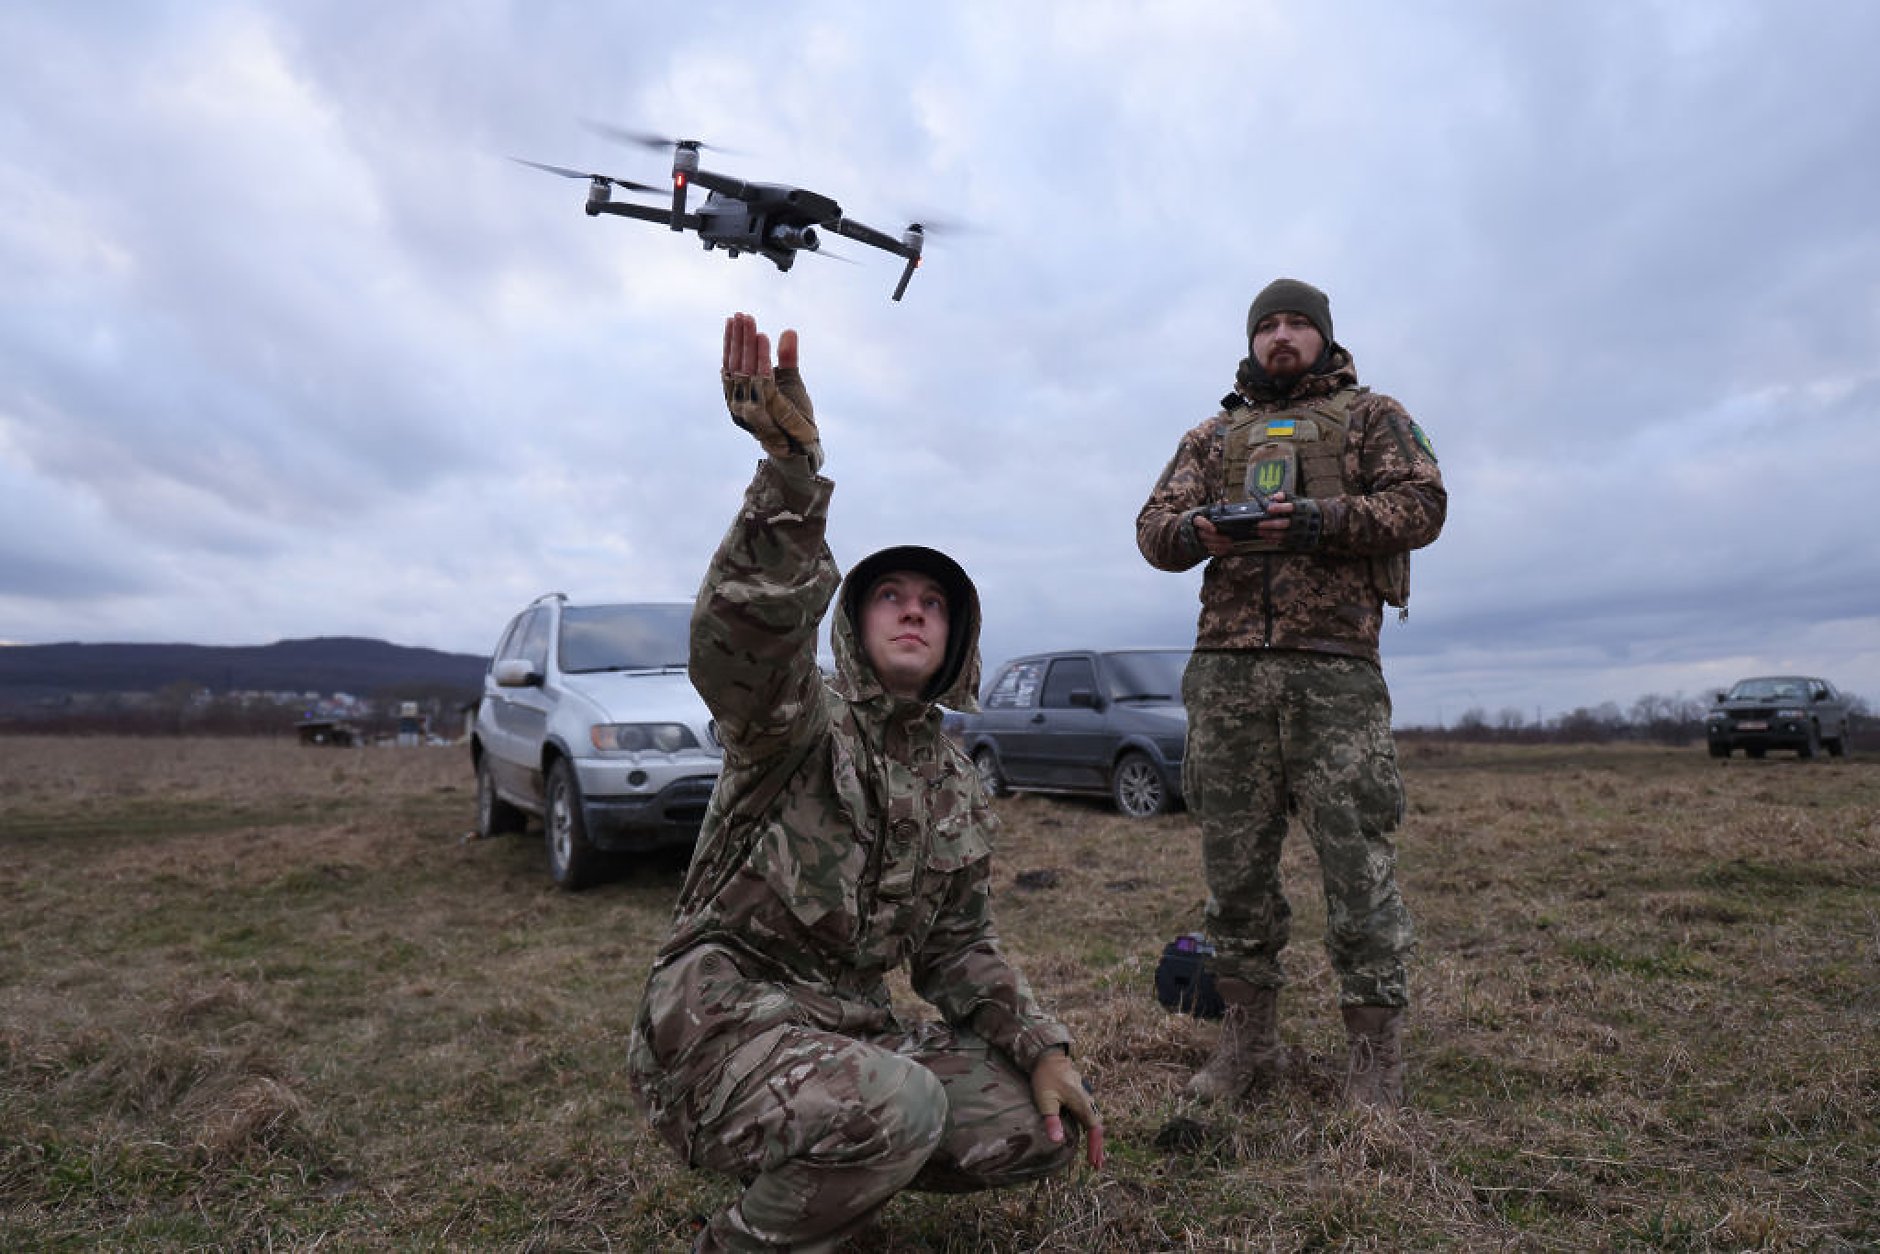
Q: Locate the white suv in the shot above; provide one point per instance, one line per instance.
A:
(589, 722)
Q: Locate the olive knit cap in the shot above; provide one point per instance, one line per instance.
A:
(1292, 296)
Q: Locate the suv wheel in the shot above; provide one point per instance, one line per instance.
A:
(1137, 787)
(1837, 748)
(1812, 745)
(494, 815)
(571, 859)
(1719, 748)
(986, 762)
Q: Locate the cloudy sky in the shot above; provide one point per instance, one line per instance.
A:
(289, 347)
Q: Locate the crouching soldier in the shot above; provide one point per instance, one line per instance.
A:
(847, 837)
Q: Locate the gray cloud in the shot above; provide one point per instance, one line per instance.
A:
(288, 346)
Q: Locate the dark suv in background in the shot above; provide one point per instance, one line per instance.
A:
(589, 721)
(1103, 722)
(1778, 712)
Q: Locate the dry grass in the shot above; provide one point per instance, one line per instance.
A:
(259, 995)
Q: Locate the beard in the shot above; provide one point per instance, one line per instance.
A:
(1285, 367)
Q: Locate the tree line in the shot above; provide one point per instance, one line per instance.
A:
(188, 709)
(183, 709)
(1654, 717)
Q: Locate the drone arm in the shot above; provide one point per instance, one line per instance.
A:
(869, 235)
(675, 217)
(907, 272)
(646, 213)
(908, 246)
(723, 184)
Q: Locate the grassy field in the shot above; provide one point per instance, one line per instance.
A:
(255, 995)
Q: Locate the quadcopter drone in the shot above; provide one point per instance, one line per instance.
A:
(768, 218)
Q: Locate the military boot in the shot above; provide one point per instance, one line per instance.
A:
(1248, 1049)
(1374, 1063)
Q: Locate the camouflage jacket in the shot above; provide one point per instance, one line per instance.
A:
(847, 836)
(1327, 600)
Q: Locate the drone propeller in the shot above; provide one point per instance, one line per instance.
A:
(684, 158)
(566, 173)
(647, 139)
(933, 224)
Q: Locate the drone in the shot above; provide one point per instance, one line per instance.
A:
(771, 219)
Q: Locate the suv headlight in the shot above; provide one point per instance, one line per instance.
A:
(641, 737)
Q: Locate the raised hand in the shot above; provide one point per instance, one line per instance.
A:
(772, 404)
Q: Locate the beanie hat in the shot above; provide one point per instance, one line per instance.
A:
(1292, 296)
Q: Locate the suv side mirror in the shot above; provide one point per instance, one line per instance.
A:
(515, 672)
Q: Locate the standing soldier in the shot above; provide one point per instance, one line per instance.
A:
(1287, 708)
(847, 837)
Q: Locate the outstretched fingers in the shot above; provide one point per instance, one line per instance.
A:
(747, 350)
(741, 344)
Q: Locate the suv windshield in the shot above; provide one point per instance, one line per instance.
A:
(1150, 675)
(1767, 690)
(624, 637)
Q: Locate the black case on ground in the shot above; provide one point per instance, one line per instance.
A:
(1183, 982)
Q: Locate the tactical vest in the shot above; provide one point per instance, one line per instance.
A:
(1301, 451)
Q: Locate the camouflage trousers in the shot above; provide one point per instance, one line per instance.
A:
(824, 1128)
(1276, 733)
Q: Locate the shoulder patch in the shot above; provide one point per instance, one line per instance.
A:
(1423, 441)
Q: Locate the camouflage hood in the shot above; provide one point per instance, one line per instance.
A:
(956, 684)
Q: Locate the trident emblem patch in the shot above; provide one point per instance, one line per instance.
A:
(1269, 476)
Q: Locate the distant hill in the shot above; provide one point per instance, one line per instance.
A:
(324, 664)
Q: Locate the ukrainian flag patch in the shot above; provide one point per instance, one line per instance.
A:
(1423, 441)
(1280, 428)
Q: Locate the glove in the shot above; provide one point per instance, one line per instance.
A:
(1190, 538)
(1305, 526)
(1055, 1086)
(776, 410)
